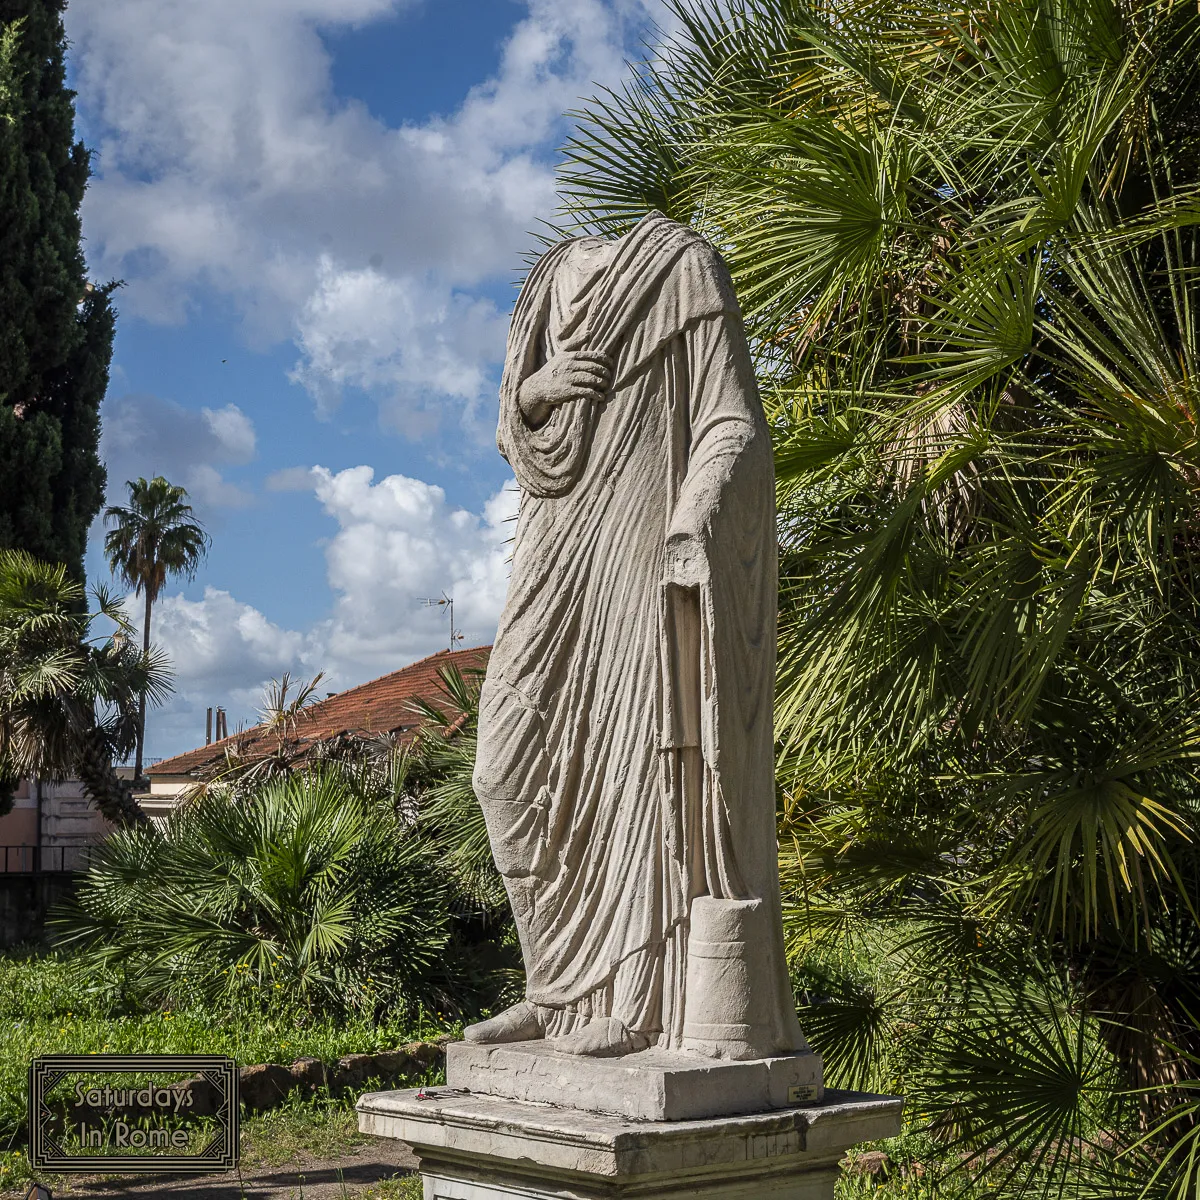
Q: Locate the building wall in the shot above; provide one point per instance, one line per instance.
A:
(169, 787)
(69, 824)
(19, 827)
(69, 818)
(69, 821)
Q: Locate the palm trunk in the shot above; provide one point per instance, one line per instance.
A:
(109, 792)
(141, 732)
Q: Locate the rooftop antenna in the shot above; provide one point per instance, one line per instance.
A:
(446, 602)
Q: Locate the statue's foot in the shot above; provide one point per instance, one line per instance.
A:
(601, 1037)
(520, 1023)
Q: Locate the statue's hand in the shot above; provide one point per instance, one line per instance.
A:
(569, 376)
(686, 562)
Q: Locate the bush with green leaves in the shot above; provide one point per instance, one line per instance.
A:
(449, 815)
(1011, 1085)
(308, 888)
(965, 241)
(70, 694)
(443, 767)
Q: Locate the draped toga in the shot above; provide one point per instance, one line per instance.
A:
(625, 761)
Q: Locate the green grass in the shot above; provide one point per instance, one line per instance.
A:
(902, 1168)
(403, 1187)
(299, 1131)
(46, 1007)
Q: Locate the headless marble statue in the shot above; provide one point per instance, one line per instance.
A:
(625, 763)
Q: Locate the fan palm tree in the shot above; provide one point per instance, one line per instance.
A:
(965, 240)
(307, 882)
(151, 538)
(69, 699)
(316, 885)
(442, 772)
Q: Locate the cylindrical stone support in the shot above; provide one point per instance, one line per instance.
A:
(723, 1013)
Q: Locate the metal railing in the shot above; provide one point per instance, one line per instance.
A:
(43, 860)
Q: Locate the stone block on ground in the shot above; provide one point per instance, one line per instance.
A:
(352, 1071)
(309, 1073)
(265, 1085)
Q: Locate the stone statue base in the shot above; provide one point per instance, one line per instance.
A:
(474, 1147)
(652, 1085)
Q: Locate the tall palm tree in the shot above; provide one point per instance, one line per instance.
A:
(69, 698)
(965, 239)
(151, 538)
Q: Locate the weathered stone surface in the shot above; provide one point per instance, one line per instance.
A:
(308, 1073)
(482, 1148)
(652, 1085)
(206, 1098)
(625, 769)
(413, 1059)
(265, 1085)
(353, 1070)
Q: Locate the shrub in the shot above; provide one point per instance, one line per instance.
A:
(308, 887)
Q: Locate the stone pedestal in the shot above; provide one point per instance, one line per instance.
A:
(653, 1085)
(476, 1147)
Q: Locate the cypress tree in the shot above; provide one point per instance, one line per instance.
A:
(56, 330)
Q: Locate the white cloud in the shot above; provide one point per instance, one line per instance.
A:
(227, 165)
(398, 542)
(220, 643)
(222, 652)
(226, 162)
(365, 328)
(234, 432)
(146, 435)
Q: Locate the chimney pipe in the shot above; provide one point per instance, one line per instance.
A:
(208, 726)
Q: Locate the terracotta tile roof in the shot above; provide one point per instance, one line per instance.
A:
(383, 705)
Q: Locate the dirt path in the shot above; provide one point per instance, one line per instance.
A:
(356, 1174)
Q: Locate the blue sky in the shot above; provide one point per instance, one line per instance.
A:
(319, 208)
